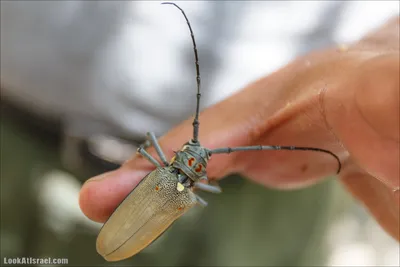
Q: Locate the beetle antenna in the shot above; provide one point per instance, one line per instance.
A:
(196, 122)
(227, 150)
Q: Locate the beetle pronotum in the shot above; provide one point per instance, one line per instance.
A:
(166, 193)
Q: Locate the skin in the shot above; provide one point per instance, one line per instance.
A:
(344, 99)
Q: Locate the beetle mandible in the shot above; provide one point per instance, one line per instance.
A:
(166, 193)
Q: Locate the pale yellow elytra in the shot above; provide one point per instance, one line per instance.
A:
(144, 215)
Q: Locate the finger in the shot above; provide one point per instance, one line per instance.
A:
(364, 113)
(281, 109)
(266, 112)
(377, 198)
(101, 195)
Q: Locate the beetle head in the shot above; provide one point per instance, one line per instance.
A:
(192, 160)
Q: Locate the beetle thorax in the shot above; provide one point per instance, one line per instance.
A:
(191, 160)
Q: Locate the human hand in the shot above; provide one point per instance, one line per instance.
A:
(343, 100)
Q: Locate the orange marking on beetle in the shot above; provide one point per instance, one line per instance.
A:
(199, 168)
(157, 188)
(190, 162)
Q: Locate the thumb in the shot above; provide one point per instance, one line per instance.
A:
(367, 119)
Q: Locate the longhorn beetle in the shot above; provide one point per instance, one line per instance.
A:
(166, 193)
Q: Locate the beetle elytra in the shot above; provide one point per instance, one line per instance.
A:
(166, 193)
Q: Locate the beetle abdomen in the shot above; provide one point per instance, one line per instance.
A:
(144, 215)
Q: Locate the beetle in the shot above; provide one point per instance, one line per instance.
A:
(166, 193)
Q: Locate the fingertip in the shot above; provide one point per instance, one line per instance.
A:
(91, 201)
(101, 195)
(87, 197)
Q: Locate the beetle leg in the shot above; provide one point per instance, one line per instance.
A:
(207, 187)
(142, 151)
(201, 201)
(154, 142)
